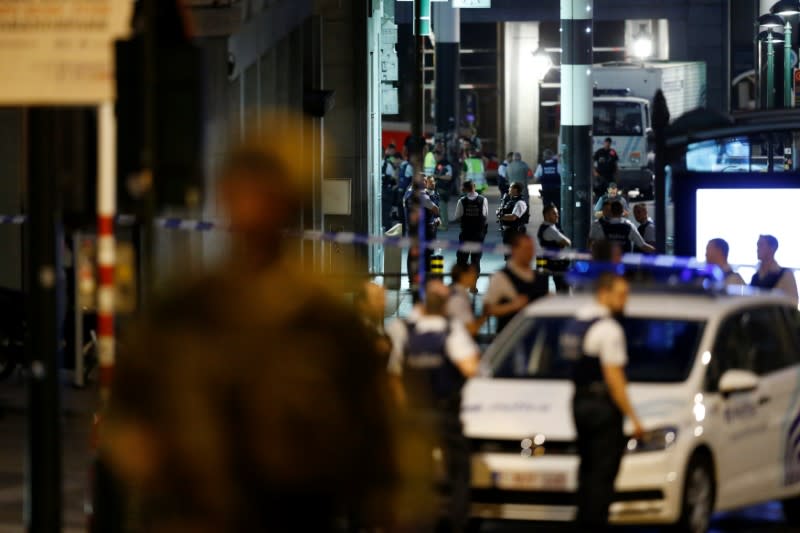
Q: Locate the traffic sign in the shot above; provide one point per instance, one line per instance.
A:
(60, 52)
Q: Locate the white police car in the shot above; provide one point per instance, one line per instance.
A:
(715, 379)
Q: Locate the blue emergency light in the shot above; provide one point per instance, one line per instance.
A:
(651, 272)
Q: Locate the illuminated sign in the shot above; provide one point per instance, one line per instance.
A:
(59, 52)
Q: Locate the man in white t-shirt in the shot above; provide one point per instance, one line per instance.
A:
(595, 342)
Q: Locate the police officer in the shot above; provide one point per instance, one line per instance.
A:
(612, 195)
(552, 240)
(549, 178)
(472, 211)
(605, 167)
(646, 227)
(770, 275)
(621, 231)
(443, 172)
(418, 204)
(431, 359)
(502, 174)
(717, 254)
(388, 184)
(595, 342)
(516, 285)
(514, 213)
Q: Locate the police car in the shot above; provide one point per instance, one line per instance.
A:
(714, 377)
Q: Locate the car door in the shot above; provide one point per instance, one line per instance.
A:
(789, 476)
(773, 357)
(742, 428)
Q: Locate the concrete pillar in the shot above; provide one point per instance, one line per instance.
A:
(447, 28)
(521, 90)
(576, 119)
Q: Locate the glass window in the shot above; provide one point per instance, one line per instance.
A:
(755, 340)
(617, 118)
(659, 350)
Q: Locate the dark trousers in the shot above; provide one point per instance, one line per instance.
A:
(470, 258)
(601, 443)
(446, 433)
(387, 202)
(559, 270)
(551, 195)
(508, 233)
(502, 185)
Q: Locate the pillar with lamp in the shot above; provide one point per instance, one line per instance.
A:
(787, 9)
(770, 29)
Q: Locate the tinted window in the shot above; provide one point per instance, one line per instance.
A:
(617, 118)
(658, 350)
(756, 340)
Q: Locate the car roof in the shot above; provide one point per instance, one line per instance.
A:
(667, 304)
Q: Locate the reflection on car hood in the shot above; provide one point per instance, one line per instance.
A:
(515, 409)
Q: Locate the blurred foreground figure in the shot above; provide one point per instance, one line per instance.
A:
(248, 400)
(253, 407)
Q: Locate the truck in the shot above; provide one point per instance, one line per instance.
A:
(623, 95)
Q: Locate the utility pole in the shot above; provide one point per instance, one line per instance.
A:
(43, 497)
(576, 118)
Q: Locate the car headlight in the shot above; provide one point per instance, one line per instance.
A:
(653, 441)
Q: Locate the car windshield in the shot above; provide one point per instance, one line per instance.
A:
(659, 350)
(617, 118)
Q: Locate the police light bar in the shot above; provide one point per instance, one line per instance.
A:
(651, 271)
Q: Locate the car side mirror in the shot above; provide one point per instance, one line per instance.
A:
(734, 381)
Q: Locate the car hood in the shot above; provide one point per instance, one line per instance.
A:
(517, 408)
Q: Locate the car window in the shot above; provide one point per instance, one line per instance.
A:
(756, 340)
(659, 350)
(793, 323)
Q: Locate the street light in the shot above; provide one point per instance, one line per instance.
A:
(770, 37)
(787, 8)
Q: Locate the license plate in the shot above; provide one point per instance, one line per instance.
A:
(530, 480)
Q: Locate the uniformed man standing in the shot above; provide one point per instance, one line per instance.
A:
(502, 174)
(605, 167)
(472, 211)
(443, 172)
(549, 178)
(552, 240)
(430, 362)
(717, 254)
(646, 228)
(514, 213)
(475, 171)
(621, 231)
(595, 341)
(517, 285)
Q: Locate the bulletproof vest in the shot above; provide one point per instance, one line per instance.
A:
(472, 221)
(508, 208)
(547, 245)
(767, 282)
(618, 233)
(586, 370)
(533, 290)
(403, 181)
(411, 202)
(641, 229)
(430, 377)
(387, 179)
(550, 176)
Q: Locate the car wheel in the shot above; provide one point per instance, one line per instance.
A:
(791, 511)
(698, 496)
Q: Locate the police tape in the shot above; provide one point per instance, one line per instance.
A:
(343, 237)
